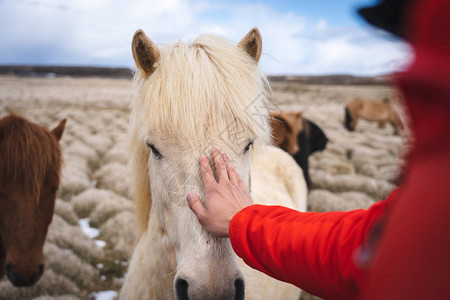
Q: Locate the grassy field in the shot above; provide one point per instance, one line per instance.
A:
(92, 233)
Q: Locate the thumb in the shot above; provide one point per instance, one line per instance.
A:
(196, 205)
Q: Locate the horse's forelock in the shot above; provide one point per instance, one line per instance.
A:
(202, 86)
(28, 151)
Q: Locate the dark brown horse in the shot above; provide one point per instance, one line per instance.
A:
(30, 165)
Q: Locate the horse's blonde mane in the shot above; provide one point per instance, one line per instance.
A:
(195, 92)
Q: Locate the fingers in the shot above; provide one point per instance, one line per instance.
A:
(196, 205)
(207, 173)
(232, 174)
(242, 184)
(221, 167)
(224, 169)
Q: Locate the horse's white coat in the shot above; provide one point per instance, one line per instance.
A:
(201, 94)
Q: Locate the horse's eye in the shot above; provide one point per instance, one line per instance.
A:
(154, 150)
(54, 190)
(248, 146)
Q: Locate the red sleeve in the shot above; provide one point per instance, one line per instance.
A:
(310, 250)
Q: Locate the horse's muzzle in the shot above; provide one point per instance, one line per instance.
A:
(21, 278)
(182, 293)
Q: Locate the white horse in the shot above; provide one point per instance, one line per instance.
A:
(190, 97)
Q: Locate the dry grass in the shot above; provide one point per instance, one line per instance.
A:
(357, 169)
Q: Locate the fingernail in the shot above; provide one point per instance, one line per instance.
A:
(190, 197)
(225, 156)
(203, 161)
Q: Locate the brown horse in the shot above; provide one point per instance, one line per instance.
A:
(30, 165)
(381, 112)
(285, 128)
(298, 136)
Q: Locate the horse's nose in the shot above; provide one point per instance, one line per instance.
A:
(182, 286)
(23, 277)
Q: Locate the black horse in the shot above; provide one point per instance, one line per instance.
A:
(310, 139)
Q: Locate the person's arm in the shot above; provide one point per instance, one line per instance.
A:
(311, 250)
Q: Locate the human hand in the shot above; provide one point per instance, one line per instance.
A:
(224, 198)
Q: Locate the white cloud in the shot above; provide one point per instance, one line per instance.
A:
(99, 33)
(355, 51)
(322, 24)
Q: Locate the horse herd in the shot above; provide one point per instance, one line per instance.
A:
(189, 98)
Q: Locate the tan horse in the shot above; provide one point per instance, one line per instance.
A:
(30, 164)
(381, 112)
(189, 98)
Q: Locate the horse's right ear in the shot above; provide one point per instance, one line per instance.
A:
(251, 43)
(58, 130)
(145, 53)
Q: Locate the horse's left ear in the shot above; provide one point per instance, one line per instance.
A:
(58, 130)
(251, 43)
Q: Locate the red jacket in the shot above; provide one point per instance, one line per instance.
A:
(400, 247)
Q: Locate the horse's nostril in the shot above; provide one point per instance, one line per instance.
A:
(239, 286)
(8, 268)
(181, 289)
(40, 270)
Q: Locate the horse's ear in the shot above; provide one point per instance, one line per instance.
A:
(251, 43)
(145, 53)
(276, 117)
(273, 114)
(58, 130)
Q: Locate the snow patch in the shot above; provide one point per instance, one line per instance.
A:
(89, 231)
(104, 295)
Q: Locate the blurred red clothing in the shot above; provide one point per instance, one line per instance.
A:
(400, 247)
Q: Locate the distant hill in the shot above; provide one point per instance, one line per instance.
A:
(334, 79)
(53, 71)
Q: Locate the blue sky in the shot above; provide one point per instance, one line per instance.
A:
(311, 37)
(336, 12)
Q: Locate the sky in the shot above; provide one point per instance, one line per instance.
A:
(300, 37)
